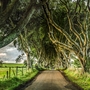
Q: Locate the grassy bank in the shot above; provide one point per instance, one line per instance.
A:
(10, 84)
(82, 80)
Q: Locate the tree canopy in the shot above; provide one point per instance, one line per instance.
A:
(49, 29)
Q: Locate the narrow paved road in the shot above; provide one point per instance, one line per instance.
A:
(50, 80)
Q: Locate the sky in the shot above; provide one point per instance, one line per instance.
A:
(9, 53)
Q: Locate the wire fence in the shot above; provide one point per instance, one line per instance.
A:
(9, 72)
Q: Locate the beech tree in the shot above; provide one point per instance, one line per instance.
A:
(66, 28)
(14, 17)
(78, 21)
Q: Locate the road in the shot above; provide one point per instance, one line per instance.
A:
(50, 80)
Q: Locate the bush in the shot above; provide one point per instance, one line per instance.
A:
(39, 68)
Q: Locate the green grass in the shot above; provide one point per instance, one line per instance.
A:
(81, 80)
(10, 84)
(3, 72)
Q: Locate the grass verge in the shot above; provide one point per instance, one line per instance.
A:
(82, 80)
(12, 83)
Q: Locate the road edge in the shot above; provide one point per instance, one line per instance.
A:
(73, 83)
(27, 83)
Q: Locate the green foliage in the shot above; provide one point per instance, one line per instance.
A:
(76, 63)
(70, 29)
(10, 84)
(50, 51)
(18, 59)
(39, 68)
(60, 17)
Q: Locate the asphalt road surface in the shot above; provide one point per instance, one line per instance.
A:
(50, 80)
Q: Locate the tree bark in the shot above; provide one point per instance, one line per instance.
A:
(29, 65)
(19, 28)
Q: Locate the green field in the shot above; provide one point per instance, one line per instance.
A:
(12, 65)
(11, 70)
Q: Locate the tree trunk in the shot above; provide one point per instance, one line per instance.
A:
(19, 28)
(28, 61)
(83, 66)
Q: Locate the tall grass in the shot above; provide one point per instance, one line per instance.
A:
(82, 80)
(11, 83)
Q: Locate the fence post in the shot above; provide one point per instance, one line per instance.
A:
(16, 71)
(13, 72)
(22, 71)
(4, 77)
(9, 72)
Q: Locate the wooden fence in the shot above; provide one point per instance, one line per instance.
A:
(14, 72)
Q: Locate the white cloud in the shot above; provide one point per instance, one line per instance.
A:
(9, 61)
(10, 49)
(3, 54)
(9, 53)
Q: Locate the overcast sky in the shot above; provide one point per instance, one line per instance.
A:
(9, 53)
